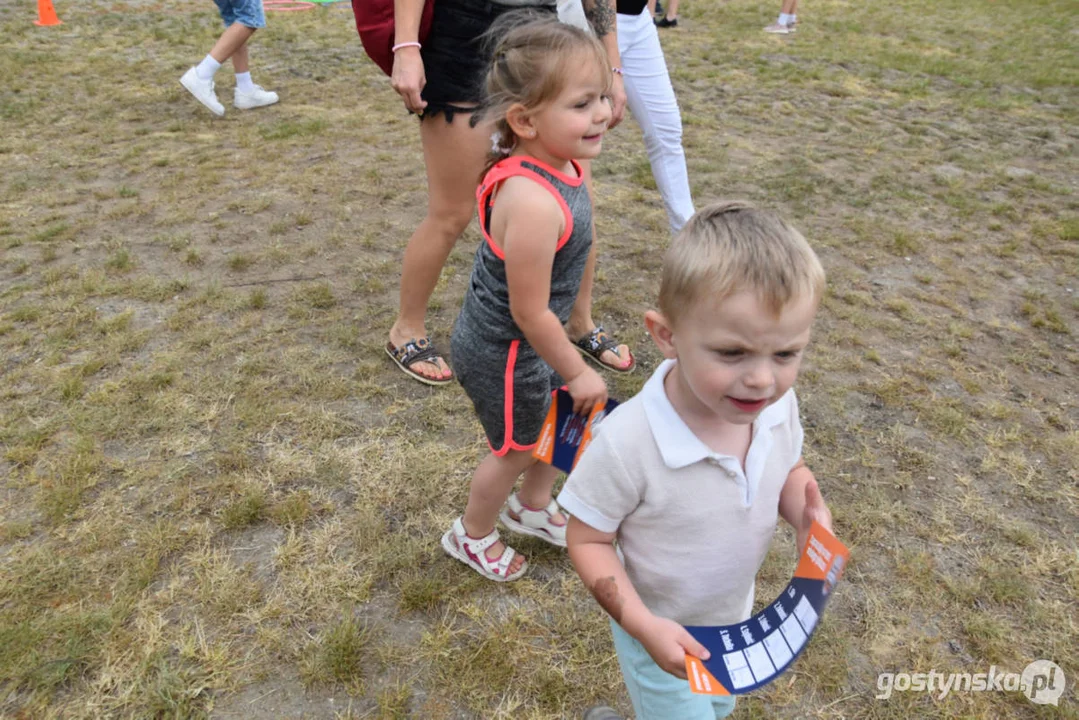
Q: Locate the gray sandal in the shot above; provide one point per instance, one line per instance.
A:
(415, 351)
(597, 342)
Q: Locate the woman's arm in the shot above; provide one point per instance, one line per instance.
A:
(601, 16)
(408, 76)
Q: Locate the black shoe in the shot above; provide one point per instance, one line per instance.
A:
(664, 22)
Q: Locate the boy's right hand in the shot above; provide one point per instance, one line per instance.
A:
(587, 391)
(668, 643)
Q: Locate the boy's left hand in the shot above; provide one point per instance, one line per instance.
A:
(815, 509)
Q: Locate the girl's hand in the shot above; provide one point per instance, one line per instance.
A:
(408, 78)
(815, 509)
(668, 642)
(587, 391)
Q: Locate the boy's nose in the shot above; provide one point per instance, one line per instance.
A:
(760, 376)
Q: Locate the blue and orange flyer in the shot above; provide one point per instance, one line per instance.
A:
(566, 434)
(753, 653)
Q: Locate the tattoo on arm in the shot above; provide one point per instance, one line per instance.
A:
(601, 16)
(606, 593)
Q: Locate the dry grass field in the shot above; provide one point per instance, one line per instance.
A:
(219, 499)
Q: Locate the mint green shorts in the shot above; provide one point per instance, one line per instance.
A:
(658, 695)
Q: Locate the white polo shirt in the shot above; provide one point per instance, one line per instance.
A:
(692, 525)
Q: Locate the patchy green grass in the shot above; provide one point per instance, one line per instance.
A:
(218, 499)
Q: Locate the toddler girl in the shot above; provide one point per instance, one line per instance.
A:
(546, 92)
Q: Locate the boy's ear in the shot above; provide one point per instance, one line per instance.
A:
(520, 120)
(662, 332)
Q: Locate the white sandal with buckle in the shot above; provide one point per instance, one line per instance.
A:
(473, 552)
(537, 523)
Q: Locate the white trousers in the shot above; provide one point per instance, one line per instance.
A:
(571, 12)
(651, 100)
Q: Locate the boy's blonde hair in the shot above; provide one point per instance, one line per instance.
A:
(731, 247)
(532, 56)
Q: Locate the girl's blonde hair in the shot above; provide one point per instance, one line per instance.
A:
(731, 247)
(532, 57)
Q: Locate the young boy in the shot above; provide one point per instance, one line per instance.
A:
(242, 18)
(689, 475)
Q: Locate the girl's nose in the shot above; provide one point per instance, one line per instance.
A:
(604, 112)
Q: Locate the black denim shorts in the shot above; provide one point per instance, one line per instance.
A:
(456, 54)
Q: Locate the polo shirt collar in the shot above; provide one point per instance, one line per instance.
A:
(677, 443)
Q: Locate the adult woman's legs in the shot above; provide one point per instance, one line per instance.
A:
(580, 319)
(651, 99)
(454, 154)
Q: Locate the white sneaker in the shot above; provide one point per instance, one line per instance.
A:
(203, 90)
(777, 29)
(254, 98)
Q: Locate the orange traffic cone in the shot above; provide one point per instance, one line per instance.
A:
(46, 14)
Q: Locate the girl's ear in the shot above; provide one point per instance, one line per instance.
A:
(662, 332)
(520, 121)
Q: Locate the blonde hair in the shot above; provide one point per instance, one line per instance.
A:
(731, 247)
(532, 58)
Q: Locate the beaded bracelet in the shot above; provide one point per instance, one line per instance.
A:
(398, 46)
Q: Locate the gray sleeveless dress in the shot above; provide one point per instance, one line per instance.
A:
(509, 384)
